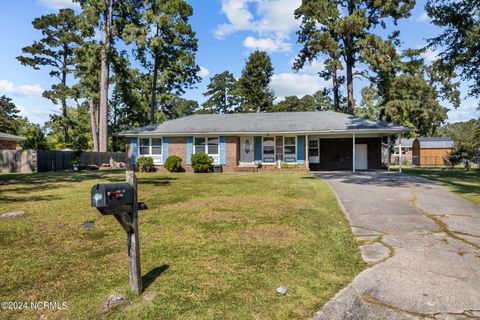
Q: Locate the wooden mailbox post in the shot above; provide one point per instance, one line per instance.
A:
(121, 201)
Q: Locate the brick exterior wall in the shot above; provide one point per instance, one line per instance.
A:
(8, 145)
(336, 154)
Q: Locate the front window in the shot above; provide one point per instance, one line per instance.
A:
(289, 149)
(207, 145)
(268, 149)
(144, 146)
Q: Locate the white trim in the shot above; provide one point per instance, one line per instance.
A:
(295, 154)
(353, 152)
(274, 150)
(157, 158)
(215, 157)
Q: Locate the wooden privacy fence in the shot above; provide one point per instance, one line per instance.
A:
(49, 160)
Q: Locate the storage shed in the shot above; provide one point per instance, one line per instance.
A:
(431, 151)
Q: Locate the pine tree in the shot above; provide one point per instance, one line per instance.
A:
(220, 92)
(8, 116)
(339, 29)
(55, 51)
(253, 85)
(166, 47)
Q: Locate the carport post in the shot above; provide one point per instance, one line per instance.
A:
(389, 155)
(353, 152)
(400, 153)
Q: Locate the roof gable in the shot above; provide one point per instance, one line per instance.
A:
(436, 143)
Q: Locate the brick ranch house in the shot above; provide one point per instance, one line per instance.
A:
(9, 141)
(322, 140)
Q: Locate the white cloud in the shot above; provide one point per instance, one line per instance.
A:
(59, 4)
(271, 20)
(26, 90)
(431, 55)
(203, 72)
(295, 84)
(468, 110)
(266, 44)
(423, 18)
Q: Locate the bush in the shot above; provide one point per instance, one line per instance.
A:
(173, 164)
(145, 164)
(202, 162)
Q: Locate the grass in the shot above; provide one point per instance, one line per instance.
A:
(214, 246)
(464, 183)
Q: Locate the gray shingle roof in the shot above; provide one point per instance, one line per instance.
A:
(435, 143)
(405, 142)
(6, 136)
(278, 122)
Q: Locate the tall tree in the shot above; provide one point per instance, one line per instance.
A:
(254, 83)
(111, 16)
(55, 50)
(412, 93)
(319, 101)
(34, 136)
(466, 136)
(459, 42)
(8, 116)
(220, 92)
(167, 47)
(339, 28)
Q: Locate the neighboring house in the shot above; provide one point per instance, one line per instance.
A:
(9, 141)
(431, 151)
(407, 145)
(321, 140)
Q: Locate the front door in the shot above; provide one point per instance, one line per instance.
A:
(246, 150)
(361, 157)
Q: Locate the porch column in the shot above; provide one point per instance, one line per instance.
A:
(307, 163)
(353, 153)
(389, 153)
(400, 154)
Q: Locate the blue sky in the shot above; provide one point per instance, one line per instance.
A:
(227, 30)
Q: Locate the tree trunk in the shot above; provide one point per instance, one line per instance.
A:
(104, 74)
(336, 95)
(349, 64)
(94, 124)
(153, 105)
(64, 100)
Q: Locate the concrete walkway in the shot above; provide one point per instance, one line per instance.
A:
(422, 244)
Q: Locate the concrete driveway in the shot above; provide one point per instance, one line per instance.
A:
(422, 244)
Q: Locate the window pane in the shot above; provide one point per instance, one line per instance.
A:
(144, 150)
(199, 149)
(268, 145)
(313, 143)
(156, 150)
(313, 152)
(156, 141)
(213, 141)
(213, 149)
(290, 140)
(289, 149)
(199, 141)
(144, 142)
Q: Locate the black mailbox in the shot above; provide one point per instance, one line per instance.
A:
(113, 198)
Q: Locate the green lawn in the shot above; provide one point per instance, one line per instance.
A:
(465, 183)
(213, 246)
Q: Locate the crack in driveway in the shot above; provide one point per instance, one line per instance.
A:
(430, 268)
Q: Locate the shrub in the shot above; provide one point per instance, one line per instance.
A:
(145, 164)
(173, 164)
(202, 162)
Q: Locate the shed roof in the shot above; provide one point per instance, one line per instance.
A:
(11, 137)
(277, 122)
(405, 142)
(435, 143)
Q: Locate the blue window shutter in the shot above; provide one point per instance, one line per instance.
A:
(165, 148)
(133, 150)
(301, 149)
(258, 148)
(223, 150)
(189, 149)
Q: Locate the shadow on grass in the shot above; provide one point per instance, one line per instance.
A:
(156, 182)
(152, 275)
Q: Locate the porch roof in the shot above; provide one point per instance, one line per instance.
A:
(263, 123)
(10, 137)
